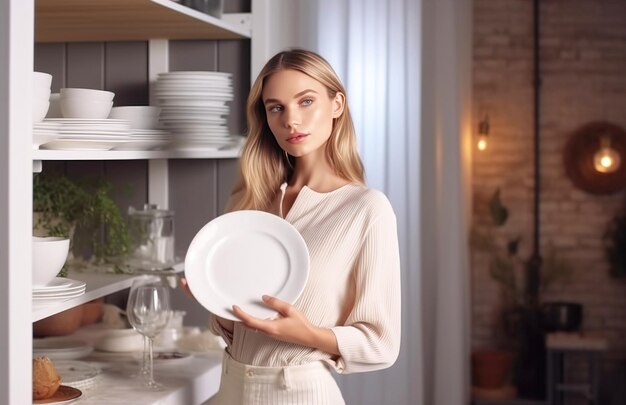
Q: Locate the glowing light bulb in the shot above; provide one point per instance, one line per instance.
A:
(483, 133)
(606, 160)
(482, 143)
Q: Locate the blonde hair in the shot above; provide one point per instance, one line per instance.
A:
(264, 165)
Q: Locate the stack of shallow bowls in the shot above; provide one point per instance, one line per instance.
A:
(41, 95)
(144, 126)
(86, 103)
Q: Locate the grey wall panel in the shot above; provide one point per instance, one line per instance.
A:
(126, 72)
(51, 58)
(193, 55)
(230, 55)
(85, 65)
(226, 176)
(237, 6)
(193, 187)
(193, 198)
(129, 181)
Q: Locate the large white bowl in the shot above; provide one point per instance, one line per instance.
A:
(87, 94)
(41, 79)
(80, 108)
(40, 109)
(54, 111)
(49, 255)
(40, 104)
(139, 116)
(120, 340)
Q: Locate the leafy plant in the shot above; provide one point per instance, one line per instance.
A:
(616, 246)
(506, 267)
(86, 213)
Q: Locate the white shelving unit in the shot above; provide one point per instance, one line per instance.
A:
(40, 155)
(27, 21)
(98, 284)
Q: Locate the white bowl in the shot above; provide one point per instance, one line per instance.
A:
(120, 340)
(80, 108)
(40, 109)
(87, 94)
(54, 111)
(140, 116)
(41, 79)
(49, 255)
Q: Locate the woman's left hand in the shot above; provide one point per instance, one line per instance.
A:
(290, 326)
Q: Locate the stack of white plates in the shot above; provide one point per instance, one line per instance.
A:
(44, 132)
(59, 289)
(89, 134)
(61, 348)
(193, 108)
(147, 139)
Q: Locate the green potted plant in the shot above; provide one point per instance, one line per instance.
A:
(520, 327)
(84, 212)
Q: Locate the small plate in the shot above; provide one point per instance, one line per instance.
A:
(163, 358)
(239, 256)
(77, 374)
(64, 395)
(61, 348)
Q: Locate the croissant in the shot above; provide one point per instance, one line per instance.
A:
(46, 380)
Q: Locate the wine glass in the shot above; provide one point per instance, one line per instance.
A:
(142, 280)
(148, 311)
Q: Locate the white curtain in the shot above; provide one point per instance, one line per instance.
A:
(405, 64)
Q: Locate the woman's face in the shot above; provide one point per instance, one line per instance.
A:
(299, 111)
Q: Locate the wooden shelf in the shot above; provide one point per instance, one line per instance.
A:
(130, 20)
(98, 285)
(232, 153)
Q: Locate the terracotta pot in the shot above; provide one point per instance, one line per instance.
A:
(92, 311)
(491, 368)
(61, 324)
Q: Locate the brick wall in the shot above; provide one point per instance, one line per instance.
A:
(583, 56)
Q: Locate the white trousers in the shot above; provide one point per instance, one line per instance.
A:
(308, 384)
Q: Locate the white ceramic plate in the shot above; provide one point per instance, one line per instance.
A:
(239, 256)
(61, 348)
(64, 395)
(60, 285)
(81, 144)
(77, 374)
(166, 358)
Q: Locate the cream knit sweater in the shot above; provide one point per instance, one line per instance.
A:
(353, 286)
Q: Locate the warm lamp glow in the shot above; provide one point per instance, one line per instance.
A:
(606, 160)
(483, 134)
(482, 143)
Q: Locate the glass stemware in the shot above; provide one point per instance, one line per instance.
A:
(142, 280)
(148, 311)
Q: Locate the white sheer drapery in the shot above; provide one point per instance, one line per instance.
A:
(406, 67)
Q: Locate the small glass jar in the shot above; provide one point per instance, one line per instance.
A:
(152, 238)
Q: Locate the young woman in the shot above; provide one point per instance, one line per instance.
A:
(301, 163)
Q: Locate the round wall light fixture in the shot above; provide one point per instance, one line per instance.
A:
(594, 158)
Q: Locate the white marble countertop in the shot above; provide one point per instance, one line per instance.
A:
(187, 381)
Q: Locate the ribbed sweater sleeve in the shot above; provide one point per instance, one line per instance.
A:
(219, 330)
(370, 337)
